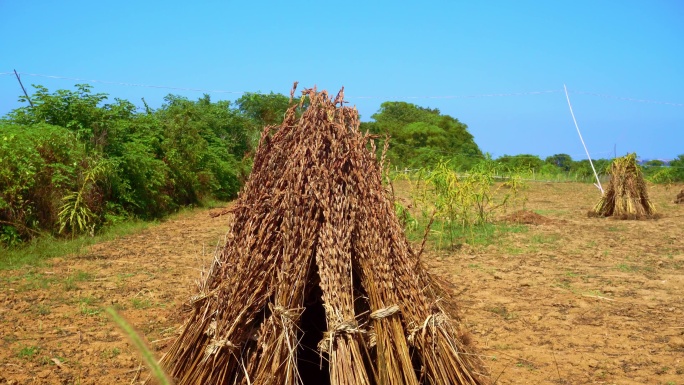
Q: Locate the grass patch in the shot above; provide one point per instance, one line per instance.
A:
(548, 212)
(488, 270)
(526, 364)
(138, 303)
(89, 311)
(514, 250)
(28, 352)
(503, 312)
(87, 306)
(544, 238)
(71, 282)
(86, 301)
(595, 293)
(41, 309)
(625, 268)
(662, 370)
(565, 284)
(35, 253)
(30, 280)
(110, 353)
(491, 233)
(444, 236)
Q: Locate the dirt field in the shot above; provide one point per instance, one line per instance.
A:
(571, 300)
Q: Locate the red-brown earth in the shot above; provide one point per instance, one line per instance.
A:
(554, 298)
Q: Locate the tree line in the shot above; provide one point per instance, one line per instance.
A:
(76, 162)
(423, 137)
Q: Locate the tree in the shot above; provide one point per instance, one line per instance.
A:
(422, 136)
(582, 167)
(80, 111)
(524, 162)
(562, 161)
(203, 145)
(676, 167)
(264, 109)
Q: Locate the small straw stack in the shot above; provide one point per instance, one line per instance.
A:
(317, 283)
(626, 196)
(680, 197)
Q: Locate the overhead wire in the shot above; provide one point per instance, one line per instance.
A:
(409, 97)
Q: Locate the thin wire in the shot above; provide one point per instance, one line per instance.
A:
(627, 99)
(472, 96)
(243, 92)
(459, 96)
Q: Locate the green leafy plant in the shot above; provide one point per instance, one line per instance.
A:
(75, 162)
(459, 203)
(9, 236)
(37, 165)
(404, 214)
(28, 352)
(75, 212)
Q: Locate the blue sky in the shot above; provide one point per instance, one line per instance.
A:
(451, 55)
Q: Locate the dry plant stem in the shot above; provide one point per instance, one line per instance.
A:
(314, 214)
(626, 196)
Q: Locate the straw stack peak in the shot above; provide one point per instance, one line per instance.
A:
(317, 283)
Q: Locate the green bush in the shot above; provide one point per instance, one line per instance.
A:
(459, 203)
(96, 164)
(659, 173)
(421, 137)
(39, 165)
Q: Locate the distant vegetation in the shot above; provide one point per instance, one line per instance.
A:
(423, 137)
(77, 162)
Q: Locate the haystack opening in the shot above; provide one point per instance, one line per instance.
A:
(312, 368)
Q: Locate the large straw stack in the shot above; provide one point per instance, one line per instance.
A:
(317, 283)
(626, 196)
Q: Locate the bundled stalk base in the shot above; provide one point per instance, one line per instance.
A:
(317, 283)
(626, 196)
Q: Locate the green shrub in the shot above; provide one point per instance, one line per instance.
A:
(460, 203)
(39, 165)
(97, 164)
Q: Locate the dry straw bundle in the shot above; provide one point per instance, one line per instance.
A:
(626, 196)
(317, 283)
(680, 197)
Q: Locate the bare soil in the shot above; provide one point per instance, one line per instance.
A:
(559, 299)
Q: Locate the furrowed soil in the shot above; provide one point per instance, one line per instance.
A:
(558, 299)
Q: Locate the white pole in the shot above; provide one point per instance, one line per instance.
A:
(598, 182)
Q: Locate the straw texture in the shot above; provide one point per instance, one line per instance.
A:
(626, 196)
(680, 197)
(317, 283)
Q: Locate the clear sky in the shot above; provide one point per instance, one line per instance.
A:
(620, 60)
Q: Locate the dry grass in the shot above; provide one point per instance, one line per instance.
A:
(317, 282)
(626, 196)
